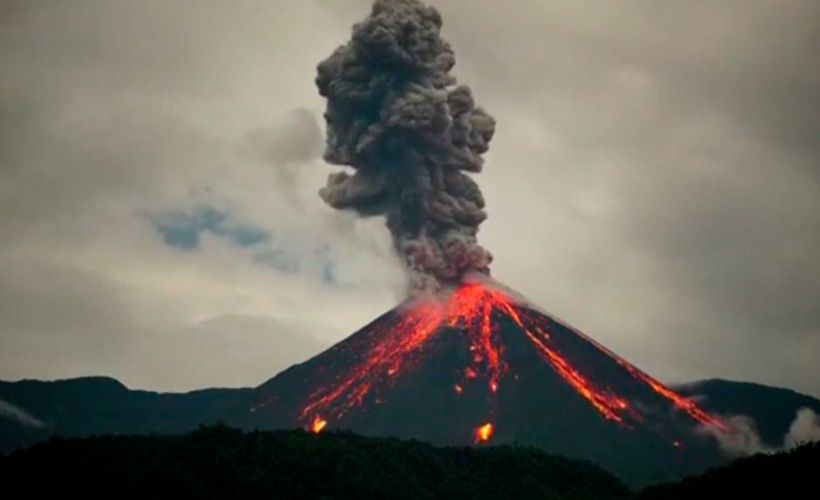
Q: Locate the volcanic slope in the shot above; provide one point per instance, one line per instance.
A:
(482, 366)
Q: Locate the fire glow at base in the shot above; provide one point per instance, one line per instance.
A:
(484, 433)
(475, 310)
(318, 425)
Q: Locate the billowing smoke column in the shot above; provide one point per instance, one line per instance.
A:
(395, 114)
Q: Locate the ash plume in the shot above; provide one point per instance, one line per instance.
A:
(396, 116)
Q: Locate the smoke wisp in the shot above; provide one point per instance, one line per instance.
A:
(410, 133)
(804, 429)
(11, 412)
(743, 437)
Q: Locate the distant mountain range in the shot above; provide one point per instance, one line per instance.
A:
(32, 410)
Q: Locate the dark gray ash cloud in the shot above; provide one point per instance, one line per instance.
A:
(395, 114)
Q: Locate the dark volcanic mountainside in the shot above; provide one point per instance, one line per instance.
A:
(484, 361)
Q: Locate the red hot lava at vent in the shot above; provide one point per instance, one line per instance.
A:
(476, 311)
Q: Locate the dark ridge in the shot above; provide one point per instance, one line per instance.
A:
(221, 462)
(99, 405)
(789, 474)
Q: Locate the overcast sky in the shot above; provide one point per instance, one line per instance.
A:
(654, 180)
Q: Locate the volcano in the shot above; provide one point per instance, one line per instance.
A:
(482, 366)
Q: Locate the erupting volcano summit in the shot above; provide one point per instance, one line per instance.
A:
(477, 311)
(467, 361)
(477, 365)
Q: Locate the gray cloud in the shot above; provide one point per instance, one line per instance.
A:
(286, 147)
(665, 194)
(296, 139)
(117, 113)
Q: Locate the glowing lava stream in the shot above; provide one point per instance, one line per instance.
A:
(385, 358)
(474, 309)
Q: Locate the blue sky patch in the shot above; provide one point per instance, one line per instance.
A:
(184, 230)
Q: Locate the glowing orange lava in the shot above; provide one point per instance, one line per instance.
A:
(676, 399)
(318, 425)
(476, 311)
(471, 299)
(483, 433)
(387, 357)
(471, 309)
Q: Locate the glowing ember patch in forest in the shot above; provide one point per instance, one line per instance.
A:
(476, 312)
(318, 425)
(483, 433)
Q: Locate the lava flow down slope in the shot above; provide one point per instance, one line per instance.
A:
(480, 366)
